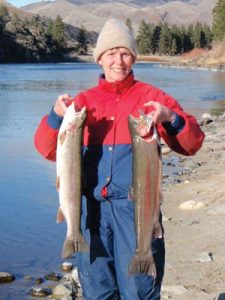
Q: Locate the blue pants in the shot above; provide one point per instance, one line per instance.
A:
(108, 226)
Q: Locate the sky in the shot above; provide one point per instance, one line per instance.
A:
(19, 3)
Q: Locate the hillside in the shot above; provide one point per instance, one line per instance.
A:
(93, 13)
(26, 37)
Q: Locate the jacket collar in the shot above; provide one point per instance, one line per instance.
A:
(119, 87)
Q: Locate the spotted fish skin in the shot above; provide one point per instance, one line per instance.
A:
(69, 178)
(146, 190)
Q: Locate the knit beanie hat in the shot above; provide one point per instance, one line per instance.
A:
(114, 34)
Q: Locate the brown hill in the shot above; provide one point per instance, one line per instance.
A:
(20, 13)
(25, 37)
(92, 14)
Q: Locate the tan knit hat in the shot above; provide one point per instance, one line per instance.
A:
(114, 34)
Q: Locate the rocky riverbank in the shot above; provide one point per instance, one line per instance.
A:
(194, 221)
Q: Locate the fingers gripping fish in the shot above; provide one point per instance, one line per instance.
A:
(146, 190)
(69, 178)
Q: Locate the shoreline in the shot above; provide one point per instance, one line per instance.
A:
(167, 61)
(213, 60)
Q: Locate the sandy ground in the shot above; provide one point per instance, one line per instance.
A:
(194, 222)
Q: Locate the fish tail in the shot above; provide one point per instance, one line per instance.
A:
(71, 246)
(68, 248)
(142, 264)
(81, 245)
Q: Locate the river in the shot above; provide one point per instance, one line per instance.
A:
(31, 240)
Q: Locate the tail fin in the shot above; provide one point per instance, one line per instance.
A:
(69, 247)
(81, 245)
(142, 264)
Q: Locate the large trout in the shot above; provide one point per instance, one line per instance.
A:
(146, 191)
(69, 178)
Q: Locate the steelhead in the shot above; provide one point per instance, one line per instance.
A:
(146, 190)
(69, 178)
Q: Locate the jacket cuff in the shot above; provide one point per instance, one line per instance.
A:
(176, 126)
(54, 120)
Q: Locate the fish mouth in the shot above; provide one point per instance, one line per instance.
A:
(143, 124)
(80, 112)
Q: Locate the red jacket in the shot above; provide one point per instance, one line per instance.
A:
(107, 143)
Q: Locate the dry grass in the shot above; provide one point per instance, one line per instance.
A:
(213, 58)
(193, 54)
(216, 55)
(152, 58)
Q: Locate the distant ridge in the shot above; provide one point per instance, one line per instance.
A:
(93, 13)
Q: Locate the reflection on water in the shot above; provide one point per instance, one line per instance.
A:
(31, 241)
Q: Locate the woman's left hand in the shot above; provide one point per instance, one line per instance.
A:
(160, 113)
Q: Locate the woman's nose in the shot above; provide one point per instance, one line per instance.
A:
(118, 58)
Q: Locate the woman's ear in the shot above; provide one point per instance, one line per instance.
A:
(100, 62)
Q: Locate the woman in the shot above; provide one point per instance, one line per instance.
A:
(107, 214)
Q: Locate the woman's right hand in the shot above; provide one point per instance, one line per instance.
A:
(61, 104)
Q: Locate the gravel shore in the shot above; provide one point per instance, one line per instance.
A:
(194, 221)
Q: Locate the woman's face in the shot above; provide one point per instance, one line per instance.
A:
(116, 63)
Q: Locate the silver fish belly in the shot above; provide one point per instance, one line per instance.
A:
(146, 190)
(69, 179)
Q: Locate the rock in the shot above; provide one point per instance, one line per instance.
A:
(190, 164)
(195, 222)
(218, 210)
(166, 150)
(165, 219)
(67, 266)
(205, 122)
(206, 116)
(174, 289)
(205, 257)
(76, 283)
(67, 297)
(191, 205)
(40, 292)
(62, 290)
(6, 277)
(75, 276)
(39, 280)
(222, 116)
(28, 277)
(53, 276)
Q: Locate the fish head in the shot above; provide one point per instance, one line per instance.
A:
(74, 117)
(141, 126)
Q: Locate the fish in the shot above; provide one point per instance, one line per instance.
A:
(70, 178)
(145, 191)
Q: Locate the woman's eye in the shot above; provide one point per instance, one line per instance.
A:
(126, 55)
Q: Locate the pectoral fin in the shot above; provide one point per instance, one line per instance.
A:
(60, 216)
(62, 137)
(57, 183)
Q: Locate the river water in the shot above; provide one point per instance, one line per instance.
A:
(30, 239)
